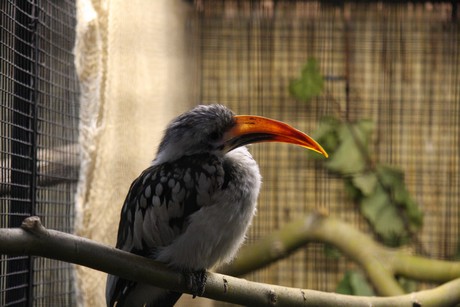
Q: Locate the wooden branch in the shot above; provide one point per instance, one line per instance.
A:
(33, 239)
(54, 166)
(380, 263)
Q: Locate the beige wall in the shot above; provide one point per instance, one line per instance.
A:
(133, 60)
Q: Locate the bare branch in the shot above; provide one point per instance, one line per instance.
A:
(33, 239)
(380, 263)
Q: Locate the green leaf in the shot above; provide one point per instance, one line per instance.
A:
(327, 127)
(408, 285)
(393, 181)
(361, 285)
(351, 189)
(365, 182)
(346, 160)
(390, 226)
(344, 286)
(349, 157)
(332, 252)
(355, 283)
(309, 84)
(326, 135)
(384, 217)
(381, 191)
(360, 131)
(373, 205)
(390, 176)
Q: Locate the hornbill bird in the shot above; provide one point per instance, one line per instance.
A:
(192, 207)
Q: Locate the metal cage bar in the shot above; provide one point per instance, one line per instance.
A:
(38, 135)
(23, 166)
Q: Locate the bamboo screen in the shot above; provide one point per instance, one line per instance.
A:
(395, 64)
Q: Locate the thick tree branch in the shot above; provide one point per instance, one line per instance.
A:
(33, 239)
(380, 263)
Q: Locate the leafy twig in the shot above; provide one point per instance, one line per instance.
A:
(347, 144)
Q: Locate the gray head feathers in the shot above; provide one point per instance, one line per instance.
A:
(196, 131)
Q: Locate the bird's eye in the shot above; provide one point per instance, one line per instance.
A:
(214, 136)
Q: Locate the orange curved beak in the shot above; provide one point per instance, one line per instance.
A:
(250, 129)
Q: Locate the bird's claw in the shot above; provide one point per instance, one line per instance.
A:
(196, 282)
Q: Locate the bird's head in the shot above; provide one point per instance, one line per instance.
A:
(216, 129)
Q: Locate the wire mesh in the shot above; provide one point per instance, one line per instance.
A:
(39, 130)
(394, 63)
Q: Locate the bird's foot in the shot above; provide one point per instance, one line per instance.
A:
(196, 281)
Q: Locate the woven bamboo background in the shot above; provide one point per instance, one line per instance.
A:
(396, 64)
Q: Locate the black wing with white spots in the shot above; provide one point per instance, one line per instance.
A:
(161, 199)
